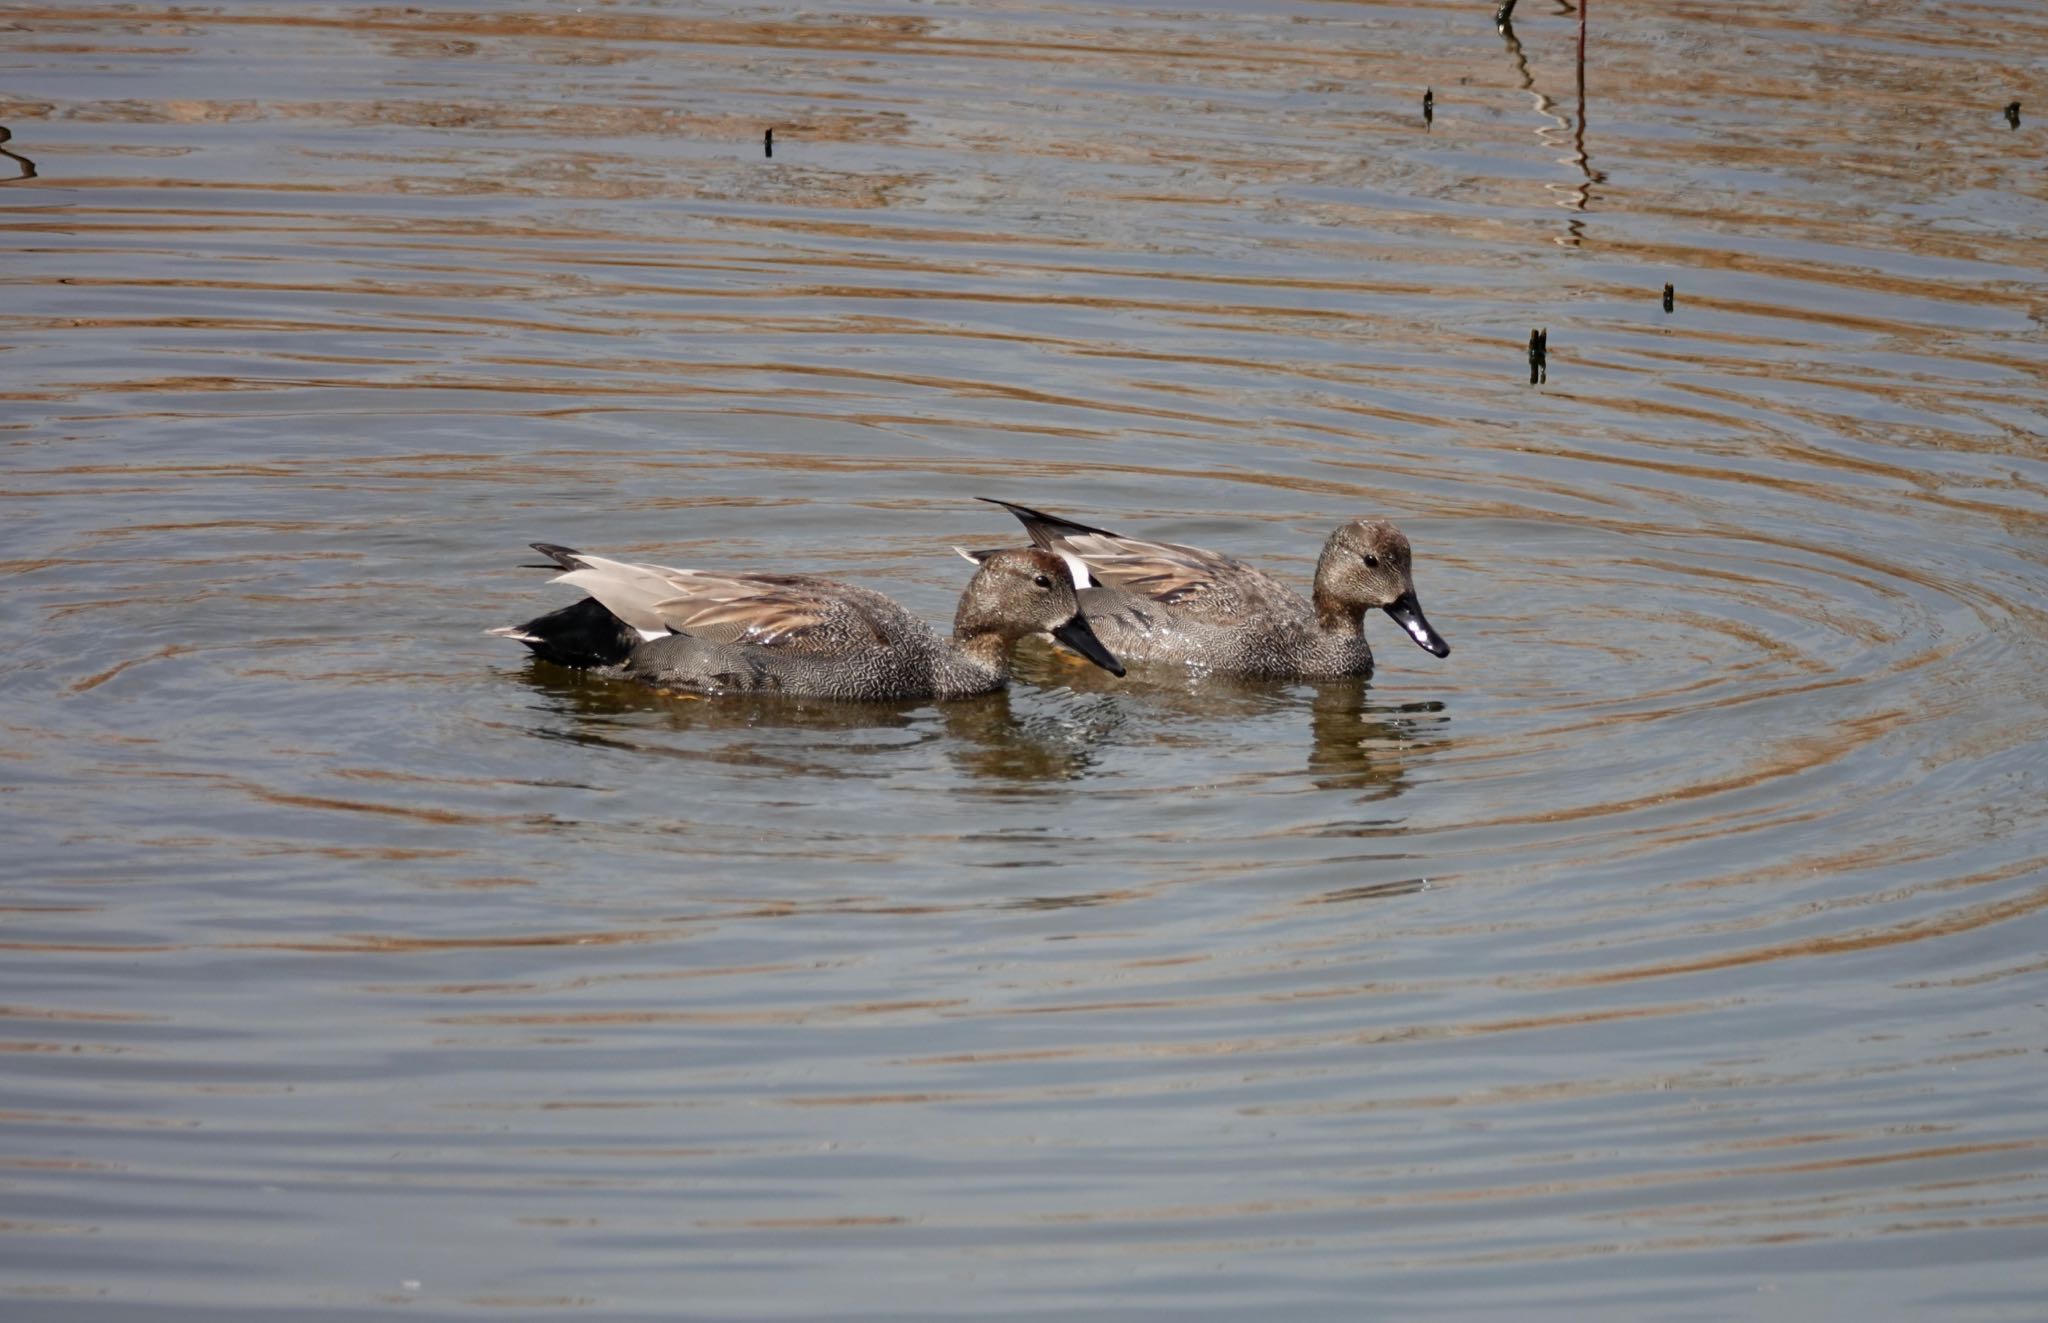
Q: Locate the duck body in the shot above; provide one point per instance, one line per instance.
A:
(1162, 602)
(1279, 643)
(799, 634)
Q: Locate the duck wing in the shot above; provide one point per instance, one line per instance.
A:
(1194, 581)
(795, 612)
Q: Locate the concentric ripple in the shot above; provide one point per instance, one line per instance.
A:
(1670, 949)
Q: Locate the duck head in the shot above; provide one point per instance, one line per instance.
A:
(1366, 564)
(1021, 591)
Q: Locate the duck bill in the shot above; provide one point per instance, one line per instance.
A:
(1080, 636)
(1407, 613)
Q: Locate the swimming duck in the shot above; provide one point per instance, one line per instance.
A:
(1161, 602)
(802, 635)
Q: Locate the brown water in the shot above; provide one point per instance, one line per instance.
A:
(1675, 949)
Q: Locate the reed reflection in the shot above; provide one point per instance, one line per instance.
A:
(1567, 133)
(27, 167)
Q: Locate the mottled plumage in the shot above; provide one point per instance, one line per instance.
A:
(799, 634)
(1163, 602)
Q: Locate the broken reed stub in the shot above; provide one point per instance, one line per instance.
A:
(1539, 356)
(1428, 106)
(768, 143)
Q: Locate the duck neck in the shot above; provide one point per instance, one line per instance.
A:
(977, 662)
(1335, 617)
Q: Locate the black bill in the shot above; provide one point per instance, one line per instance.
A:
(1407, 613)
(1078, 635)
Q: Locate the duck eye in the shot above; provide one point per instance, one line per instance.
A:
(1372, 561)
(1041, 581)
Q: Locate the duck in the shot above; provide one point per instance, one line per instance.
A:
(800, 634)
(1161, 602)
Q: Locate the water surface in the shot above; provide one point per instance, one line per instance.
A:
(1671, 950)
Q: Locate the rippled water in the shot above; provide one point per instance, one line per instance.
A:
(1674, 949)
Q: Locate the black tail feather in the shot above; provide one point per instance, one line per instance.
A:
(1045, 527)
(581, 635)
(565, 557)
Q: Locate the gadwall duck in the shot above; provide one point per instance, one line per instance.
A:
(1160, 602)
(801, 635)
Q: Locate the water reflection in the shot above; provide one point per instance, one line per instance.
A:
(1357, 744)
(28, 167)
(603, 706)
(1561, 130)
(1702, 948)
(991, 742)
(985, 736)
(1352, 740)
